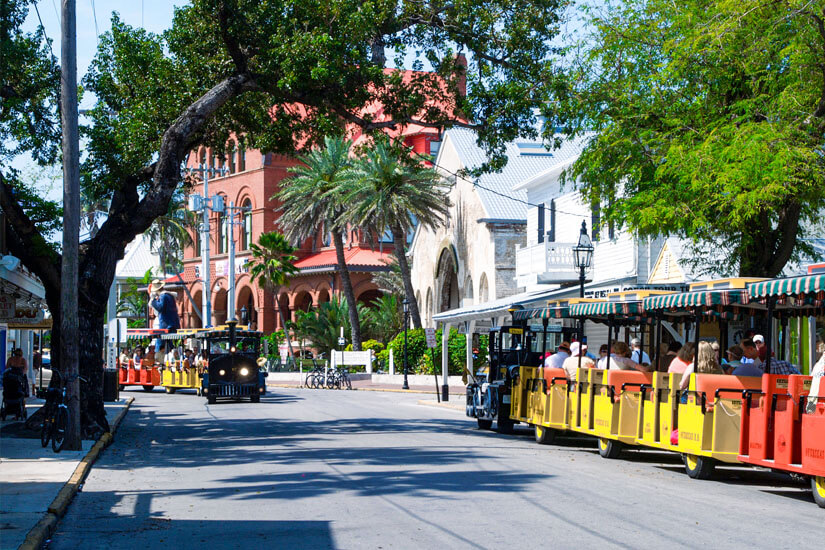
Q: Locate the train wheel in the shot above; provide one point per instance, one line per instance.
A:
(148, 388)
(699, 467)
(121, 387)
(484, 424)
(544, 436)
(255, 398)
(171, 390)
(818, 486)
(504, 426)
(211, 399)
(609, 448)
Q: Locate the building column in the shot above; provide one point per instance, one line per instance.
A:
(470, 325)
(445, 362)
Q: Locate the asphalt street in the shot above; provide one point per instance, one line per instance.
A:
(333, 469)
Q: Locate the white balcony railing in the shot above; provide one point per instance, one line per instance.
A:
(545, 263)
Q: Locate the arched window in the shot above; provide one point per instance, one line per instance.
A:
(232, 157)
(202, 156)
(241, 160)
(217, 162)
(246, 238)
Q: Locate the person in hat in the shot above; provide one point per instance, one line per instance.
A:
(759, 340)
(638, 354)
(571, 364)
(164, 304)
(556, 361)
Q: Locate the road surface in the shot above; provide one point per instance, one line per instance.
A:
(334, 469)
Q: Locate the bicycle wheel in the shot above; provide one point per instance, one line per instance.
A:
(46, 429)
(61, 424)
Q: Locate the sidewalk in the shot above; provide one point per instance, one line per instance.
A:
(367, 385)
(32, 476)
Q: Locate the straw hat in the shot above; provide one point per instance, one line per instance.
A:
(157, 285)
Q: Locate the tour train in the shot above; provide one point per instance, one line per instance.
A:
(775, 421)
(230, 368)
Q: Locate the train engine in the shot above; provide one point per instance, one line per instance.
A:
(233, 371)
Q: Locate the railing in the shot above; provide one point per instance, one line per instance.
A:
(546, 263)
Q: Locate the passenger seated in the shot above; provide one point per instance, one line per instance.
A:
(705, 363)
(620, 359)
(571, 364)
(556, 361)
(683, 358)
(672, 349)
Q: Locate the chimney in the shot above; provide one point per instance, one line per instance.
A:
(461, 60)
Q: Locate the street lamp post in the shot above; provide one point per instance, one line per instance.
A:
(244, 316)
(406, 303)
(583, 256)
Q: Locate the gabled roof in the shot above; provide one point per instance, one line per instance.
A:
(526, 160)
(138, 259)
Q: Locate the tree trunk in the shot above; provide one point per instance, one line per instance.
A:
(346, 282)
(399, 239)
(283, 324)
(93, 414)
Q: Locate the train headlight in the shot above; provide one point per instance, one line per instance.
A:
(222, 372)
(232, 349)
(244, 371)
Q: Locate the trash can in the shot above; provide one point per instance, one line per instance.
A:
(110, 387)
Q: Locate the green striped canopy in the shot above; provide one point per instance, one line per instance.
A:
(794, 286)
(702, 298)
(599, 309)
(541, 313)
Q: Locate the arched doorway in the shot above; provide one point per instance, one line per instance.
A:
(197, 302)
(483, 289)
(246, 313)
(219, 304)
(323, 296)
(369, 296)
(447, 281)
(283, 305)
(303, 301)
(468, 292)
(428, 312)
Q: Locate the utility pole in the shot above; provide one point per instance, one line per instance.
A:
(206, 204)
(69, 332)
(231, 211)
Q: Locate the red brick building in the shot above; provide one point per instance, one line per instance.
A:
(253, 179)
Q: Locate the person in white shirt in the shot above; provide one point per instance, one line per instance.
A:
(620, 359)
(556, 361)
(636, 344)
(571, 364)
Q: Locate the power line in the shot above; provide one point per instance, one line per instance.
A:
(42, 26)
(56, 13)
(475, 183)
(94, 14)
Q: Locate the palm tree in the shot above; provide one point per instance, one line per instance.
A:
(271, 265)
(385, 317)
(311, 198)
(391, 191)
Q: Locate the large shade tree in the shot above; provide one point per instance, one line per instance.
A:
(391, 191)
(217, 72)
(710, 118)
(311, 200)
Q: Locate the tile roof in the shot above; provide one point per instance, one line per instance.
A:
(526, 159)
(355, 257)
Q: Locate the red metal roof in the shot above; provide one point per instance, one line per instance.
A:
(173, 279)
(355, 257)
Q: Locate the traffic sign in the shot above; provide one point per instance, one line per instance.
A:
(430, 334)
(341, 341)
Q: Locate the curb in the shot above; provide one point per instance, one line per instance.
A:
(442, 405)
(388, 390)
(47, 525)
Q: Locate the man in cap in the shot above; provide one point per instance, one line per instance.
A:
(556, 360)
(164, 304)
(759, 340)
(638, 354)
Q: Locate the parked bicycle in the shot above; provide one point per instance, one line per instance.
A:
(335, 378)
(56, 419)
(315, 378)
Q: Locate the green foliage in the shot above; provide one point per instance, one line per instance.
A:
(133, 302)
(272, 261)
(420, 357)
(710, 121)
(170, 234)
(274, 341)
(382, 319)
(373, 345)
(322, 325)
(416, 348)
